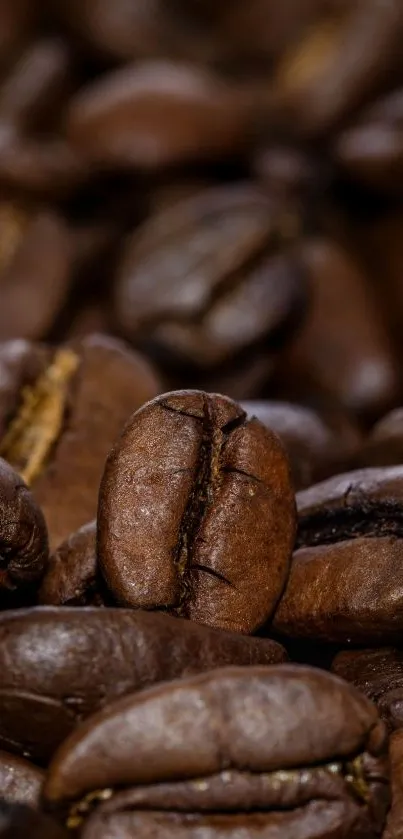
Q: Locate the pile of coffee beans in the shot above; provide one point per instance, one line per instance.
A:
(201, 419)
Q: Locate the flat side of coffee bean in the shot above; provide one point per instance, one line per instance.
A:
(71, 577)
(379, 674)
(198, 479)
(20, 781)
(230, 718)
(54, 674)
(23, 536)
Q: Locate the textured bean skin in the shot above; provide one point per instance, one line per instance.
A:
(394, 826)
(223, 754)
(71, 577)
(23, 534)
(187, 483)
(346, 576)
(379, 674)
(60, 665)
(107, 384)
(20, 781)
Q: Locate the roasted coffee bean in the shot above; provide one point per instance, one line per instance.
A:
(47, 168)
(185, 487)
(72, 577)
(371, 150)
(384, 445)
(346, 577)
(344, 349)
(23, 538)
(336, 64)
(17, 821)
(35, 267)
(212, 276)
(380, 242)
(60, 665)
(235, 748)
(20, 365)
(20, 781)
(158, 114)
(33, 90)
(62, 426)
(394, 825)
(379, 674)
(316, 448)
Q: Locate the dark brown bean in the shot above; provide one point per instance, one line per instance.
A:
(60, 665)
(23, 536)
(211, 277)
(186, 485)
(61, 428)
(246, 737)
(346, 577)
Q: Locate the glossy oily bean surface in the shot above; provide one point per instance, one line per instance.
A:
(346, 575)
(60, 665)
(222, 734)
(186, 484)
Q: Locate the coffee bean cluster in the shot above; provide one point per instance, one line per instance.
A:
(201, 421)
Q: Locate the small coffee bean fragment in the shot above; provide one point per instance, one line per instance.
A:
(196, 512)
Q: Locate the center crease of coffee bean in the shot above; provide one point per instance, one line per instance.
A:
(38, 423)
(373, 520)
(207, 481)
(352, 772)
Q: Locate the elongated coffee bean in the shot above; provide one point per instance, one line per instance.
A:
(196, 512)
(254, 742)
(60, 665)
